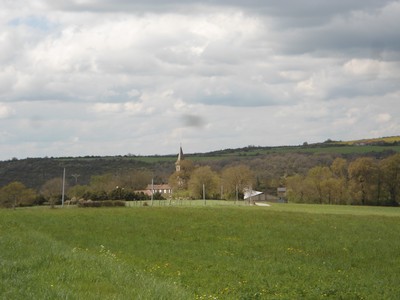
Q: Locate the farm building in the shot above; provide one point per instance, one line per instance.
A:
(160, 188)
(164, 189)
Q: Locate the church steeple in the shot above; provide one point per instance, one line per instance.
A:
(178, 161)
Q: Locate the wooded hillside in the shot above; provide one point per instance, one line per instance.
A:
(270, 164)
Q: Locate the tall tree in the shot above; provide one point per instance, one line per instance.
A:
(103, 183)
(391, 177)
(365, 180)
(297, 189)
(236, 179)
(339, 168)
(207, 177)
(321, 179)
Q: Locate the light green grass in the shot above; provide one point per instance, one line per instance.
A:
(280, 207)
(389, 139)
(337, 209)
(200, 252)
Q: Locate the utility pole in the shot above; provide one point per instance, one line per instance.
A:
(63, 189)
(152, 191)
(76, 177)
(251, 195)
(237, 194)
(204, 194)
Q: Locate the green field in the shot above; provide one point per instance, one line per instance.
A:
(197, 251)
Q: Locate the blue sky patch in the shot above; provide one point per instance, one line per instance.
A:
(35, 22)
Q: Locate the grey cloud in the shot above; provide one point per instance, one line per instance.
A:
(358, 88)
(306, 62)
(304, 8)
(365, 32)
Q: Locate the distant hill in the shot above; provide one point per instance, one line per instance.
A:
(329, 146)
(267, 162)
(34, 172)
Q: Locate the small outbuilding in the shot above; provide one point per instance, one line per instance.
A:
(281, 192)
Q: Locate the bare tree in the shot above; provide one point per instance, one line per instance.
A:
(52, 190)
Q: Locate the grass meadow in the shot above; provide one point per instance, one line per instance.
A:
(197, 251)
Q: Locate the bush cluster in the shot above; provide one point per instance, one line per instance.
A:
(119, 194)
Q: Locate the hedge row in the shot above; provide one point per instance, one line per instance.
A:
(105, 203)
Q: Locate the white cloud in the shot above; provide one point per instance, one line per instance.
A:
(366, 67)
(383, 118)
(373, 68)
(107, 107)
(131, 108)
(254, 72)
(135, 108)
(5, 111)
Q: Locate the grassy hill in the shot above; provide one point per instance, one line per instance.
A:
(391, 140)
(284, 251)
(363, 146)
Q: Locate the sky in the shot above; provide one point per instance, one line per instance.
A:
(121, 77)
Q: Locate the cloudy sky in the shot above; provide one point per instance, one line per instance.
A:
(99, 77)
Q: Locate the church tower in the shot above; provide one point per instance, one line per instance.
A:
(179, 160)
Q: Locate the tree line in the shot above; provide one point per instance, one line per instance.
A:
(309, 178)
(110, 186)
(190, 182)
(363, 181)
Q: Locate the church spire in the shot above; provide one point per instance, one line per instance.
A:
(178, 161)
(180, 155)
